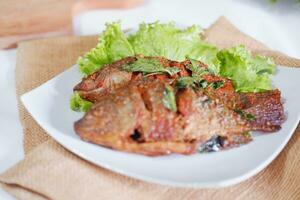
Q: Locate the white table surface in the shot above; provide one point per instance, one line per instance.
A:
(257, 18)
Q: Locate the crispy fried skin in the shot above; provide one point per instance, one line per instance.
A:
(205, 117)
(134, 119)
(113, 121)
(266, 107)
(104, 81)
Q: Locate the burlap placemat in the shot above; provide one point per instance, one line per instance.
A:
(39, 61)
(51, 172)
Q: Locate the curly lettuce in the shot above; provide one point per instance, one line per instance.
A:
(248, 73)
(113, 45)
(79, 104)
(153, 39)
(166, 40)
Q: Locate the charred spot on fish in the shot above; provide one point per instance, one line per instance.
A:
(136, 136)
(215, 143)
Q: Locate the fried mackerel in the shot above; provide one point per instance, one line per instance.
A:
(129, 115)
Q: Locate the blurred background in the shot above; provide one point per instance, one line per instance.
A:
(45, 18)
(31, 19)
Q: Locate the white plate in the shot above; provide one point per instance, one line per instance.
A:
(49, 106)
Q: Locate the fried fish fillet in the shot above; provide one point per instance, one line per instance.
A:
(134, 119)
(128, 113)
(266, 106)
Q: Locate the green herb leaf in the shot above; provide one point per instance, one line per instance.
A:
(217, 84)
(169, 100)
(196, 78)
(149, 66)
(203, 84)
(188, 81)
(245, 115)
(195, 68)
(172, 70)
(79, 104)
(184, 82)
(250, 117)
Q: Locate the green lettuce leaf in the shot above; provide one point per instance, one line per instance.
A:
(206, 53)
(79, 104)
(156, 39)
(153, 39)
(113, 45)
(249, 74)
